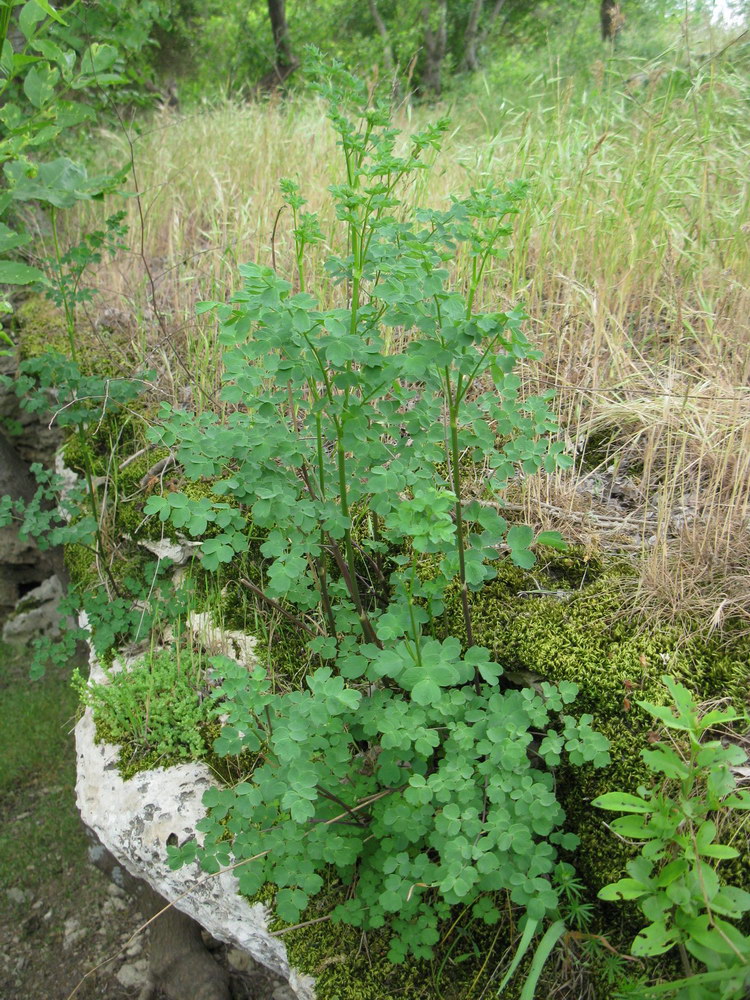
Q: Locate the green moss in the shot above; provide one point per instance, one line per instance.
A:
(80, 562)
(282, 646)
(576, 566)
(155, 711)
(41, 327)
(589, 639)
(348, 965)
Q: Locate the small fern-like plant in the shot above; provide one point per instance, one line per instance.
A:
(405, 763)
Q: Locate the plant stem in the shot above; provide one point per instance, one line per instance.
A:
(278, 607)
(456, 477)
(70, 330)
(410, 601)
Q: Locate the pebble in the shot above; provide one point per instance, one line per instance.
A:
(240, 960)
(133, 975)
(72, 933)
(110, 905)
(16, 895)
(134, 948)
(283, 992)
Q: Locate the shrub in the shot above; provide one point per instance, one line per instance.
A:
(406, 762)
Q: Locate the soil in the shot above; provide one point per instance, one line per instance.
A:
(60, 917)
(67, 930)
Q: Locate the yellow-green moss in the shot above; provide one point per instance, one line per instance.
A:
(350, 965)
(41, 327)
(588, 638)
(154, 711)
(80, 562)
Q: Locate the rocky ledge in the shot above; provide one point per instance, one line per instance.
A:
(136, 818)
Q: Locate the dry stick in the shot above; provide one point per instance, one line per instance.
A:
(363, 821)
(101, 480)
(683, 396)
(583, 936)
(296, 927)
(702, 143)
(156, 470)
(238, 864)
(351, 586)
(273, 236)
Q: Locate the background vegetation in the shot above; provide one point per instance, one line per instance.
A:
(630, 256)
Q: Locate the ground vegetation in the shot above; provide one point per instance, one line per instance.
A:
(484, 547)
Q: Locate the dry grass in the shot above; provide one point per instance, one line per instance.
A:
(631, 256)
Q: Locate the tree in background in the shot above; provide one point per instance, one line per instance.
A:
(612, 20)
(476, 32)
(286, 62)
(435, 17)
(236, 47)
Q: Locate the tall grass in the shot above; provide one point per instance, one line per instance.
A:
(631, 256)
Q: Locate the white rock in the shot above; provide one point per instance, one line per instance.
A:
(222, 642)
(240, 960)
(134, 819)
(36, 614)
(134, 948)
(179, 552)
(112, 904)
(72, 933)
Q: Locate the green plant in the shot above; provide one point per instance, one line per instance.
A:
(406, 764)
(155, 709)
(675, 880)
(36, 84)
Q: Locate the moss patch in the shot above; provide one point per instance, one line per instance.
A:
(41, 327)
(157, 711)
(587, 638)
(350, 965)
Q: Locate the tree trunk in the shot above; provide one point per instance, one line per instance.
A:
(470, 61)
(497, 7)
(612, 20)
(390, 62)
(475, 37)
(286, 61)
(435, 17)
(180, 965)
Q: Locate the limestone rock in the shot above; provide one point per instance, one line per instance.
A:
(36, 614)
(38, 436)
(21, 563)
(178, 552)
(135, 818)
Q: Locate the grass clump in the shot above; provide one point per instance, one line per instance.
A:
(155, 711)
